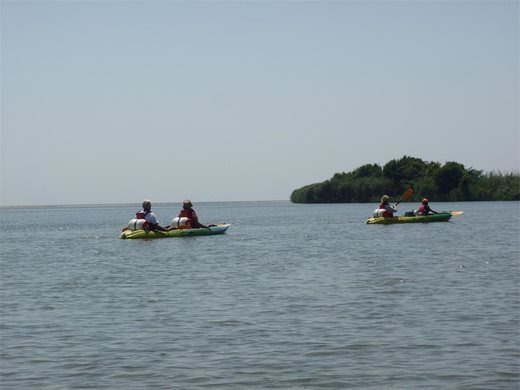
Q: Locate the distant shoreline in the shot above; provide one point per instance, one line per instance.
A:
(450, 182)
(133, 205)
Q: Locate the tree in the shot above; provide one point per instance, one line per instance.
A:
(450, 181)
(404, 169)
(448, 177)
(368, 170)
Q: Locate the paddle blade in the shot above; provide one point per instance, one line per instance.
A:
(407, 194)
(456, 212)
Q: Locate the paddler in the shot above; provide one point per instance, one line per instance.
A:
(188, 212)
(146, 213)
(424, 208)
(385, 205)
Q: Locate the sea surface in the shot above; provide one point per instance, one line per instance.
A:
(291, 297)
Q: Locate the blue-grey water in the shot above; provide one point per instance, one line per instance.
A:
(292, 297)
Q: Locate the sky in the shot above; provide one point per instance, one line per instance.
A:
(117, 101)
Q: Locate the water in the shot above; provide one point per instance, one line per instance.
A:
(292, 297)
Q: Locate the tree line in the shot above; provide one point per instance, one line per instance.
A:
(438, 182)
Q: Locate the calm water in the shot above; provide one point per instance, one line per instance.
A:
(292, 297)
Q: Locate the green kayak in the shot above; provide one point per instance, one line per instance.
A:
(140, 233)
(440, 217)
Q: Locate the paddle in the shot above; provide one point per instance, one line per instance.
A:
(405, 195)
(456, 212)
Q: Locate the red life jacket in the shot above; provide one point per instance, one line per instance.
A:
(141, 215)
(386, 214)
(187, 214)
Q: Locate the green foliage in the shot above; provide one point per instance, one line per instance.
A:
(368, 170)
(405, 169)
(448, 182)
(448, 177)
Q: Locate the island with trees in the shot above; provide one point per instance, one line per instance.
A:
(450, 181)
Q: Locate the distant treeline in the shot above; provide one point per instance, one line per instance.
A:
(448, 182)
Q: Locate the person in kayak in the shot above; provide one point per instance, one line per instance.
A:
(424, 208)
(146, 213)
(188, 212)
(385, 205)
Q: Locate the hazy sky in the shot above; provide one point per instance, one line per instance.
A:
(115, 101)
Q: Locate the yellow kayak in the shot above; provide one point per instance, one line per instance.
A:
(140, 233)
